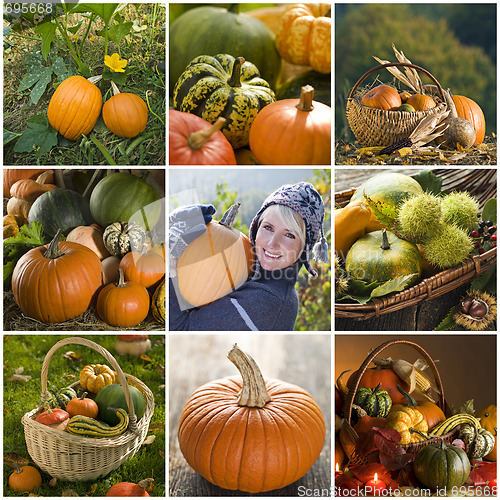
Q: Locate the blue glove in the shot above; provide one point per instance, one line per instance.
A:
(185, 225)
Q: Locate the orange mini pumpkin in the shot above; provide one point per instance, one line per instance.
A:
(472, 112)
(216, 263)
(382, 97)
(82, 406)
(25, 478)
(248, 433)
(421, 102)
(146, 269)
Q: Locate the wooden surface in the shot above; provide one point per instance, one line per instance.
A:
(304, 360)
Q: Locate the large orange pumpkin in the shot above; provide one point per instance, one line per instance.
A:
(293, 132)
(304, 36)
(216, 263)
(56, 282)
(382, 97)
(472, 112)
(75, 107)
(12, 175)
(125, 114)
(248, 433)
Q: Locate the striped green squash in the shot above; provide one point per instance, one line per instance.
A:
(92, 428)
(454, 421)
(60, 398)
(376, 402)
(223, 86)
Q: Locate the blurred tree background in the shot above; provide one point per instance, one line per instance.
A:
(456, 43)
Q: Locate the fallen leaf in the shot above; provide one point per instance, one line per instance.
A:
(72, 356)
(405, 151)
(93, 488)
(149, 440)
(14, 460)
(162, 453)
(53, 482)
(160, 369)
(69, 493)
(69, 376)
(145, 358)
(18, 377)
(156, 427)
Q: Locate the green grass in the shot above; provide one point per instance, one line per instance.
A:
(29, 352)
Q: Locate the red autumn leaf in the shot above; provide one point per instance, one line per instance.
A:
(347, 486)
(459, 444)
(483, 472)
(396, 460)
(377, 439)
(366, 472)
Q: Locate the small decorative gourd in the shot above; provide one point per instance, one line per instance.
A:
(478, 442)
(122, 237)
(92, 428)
(216, 263)
(94, 377)
(55, 418)
(433, 415)
(82, 406)
(488, 418)
(376, 402)
(158, 303)
(125, 114)
(350, 225)
(60, 398)
(410, 424)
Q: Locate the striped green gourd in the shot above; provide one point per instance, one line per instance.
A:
(60, 398)
(220, 85)
(455, 420)
(376, 402)
(92, 428)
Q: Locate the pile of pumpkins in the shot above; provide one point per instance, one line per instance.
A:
(76, 106)
(224, 70)
(381, 401)
(104, 414)
(113, 253)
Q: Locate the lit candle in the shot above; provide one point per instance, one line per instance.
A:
(338, 472)
(375, 486)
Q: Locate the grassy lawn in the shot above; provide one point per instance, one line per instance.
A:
(28, 351)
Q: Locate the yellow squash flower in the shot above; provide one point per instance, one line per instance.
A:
(115, 63)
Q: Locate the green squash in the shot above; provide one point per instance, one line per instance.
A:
(441, 466)
(216, 30)
(60, 398)
(60, 209)
(321, 83)
(223, 86)
(381, 256)
(376, 402)
(111, 397)
(122, 197)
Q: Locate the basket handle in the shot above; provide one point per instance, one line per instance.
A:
(382, 66)
(109, 358)
(352, 390)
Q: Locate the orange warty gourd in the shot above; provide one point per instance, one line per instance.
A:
(146, 269)
(125, 114)
(382, 97)
(124, 303)
(75, 107)
(431, 412)
(293, 132)
(12, 175)
(421, 102)
(249, 433)
(216, 263)
(56, 282)
(304, 36)
(472, 112)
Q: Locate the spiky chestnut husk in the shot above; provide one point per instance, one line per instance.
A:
(476, 311)
(461, 209)
(448, 247)
(419, 215)
(341, 282)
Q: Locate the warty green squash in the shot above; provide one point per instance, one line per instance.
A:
(376, 402)
(223, 86)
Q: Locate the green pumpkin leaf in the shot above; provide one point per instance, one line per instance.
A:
(104, 10)
(490, 211)
(9, 136)
(429, 181)
(47, 29)
(39, 136)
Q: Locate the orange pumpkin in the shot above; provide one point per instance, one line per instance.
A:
(216, 263)
(488, 419)
(25, 478)
(293, 132)
(90, 237)
(235, 431)
(382, 97)
(304, 36)
(421, 102)
(56, 282)
(82, 406)
(126, 489)
(12, 175)
(146, 269)
(472, 112)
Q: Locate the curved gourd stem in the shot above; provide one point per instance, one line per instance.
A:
(306, 98)
(254, 392)
(230, 215)
(95, 79)
(116, 91)
(235, 80)
(198, 139)
(341, 386)
(410, 400)
(450, 104)
(53, 251)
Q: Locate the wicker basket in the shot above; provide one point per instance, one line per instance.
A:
(348, 435)
(74, 458)
(377, 127)
(479, 183)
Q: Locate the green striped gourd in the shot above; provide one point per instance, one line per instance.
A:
(60, 398)
(478, 442)
(376, 402)
(220, 85)
(450, 423)
(92, 428)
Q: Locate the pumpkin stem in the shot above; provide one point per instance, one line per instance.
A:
(410, 400)
(82, 397)
(121, 284)
(43, 176)
(360, 412)
(254, 392)
(115, 88)
(95, 79)
(197, 139)
(306, 98)
(53, 251)
(235, 80)
(385, 241)
(230, 215)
